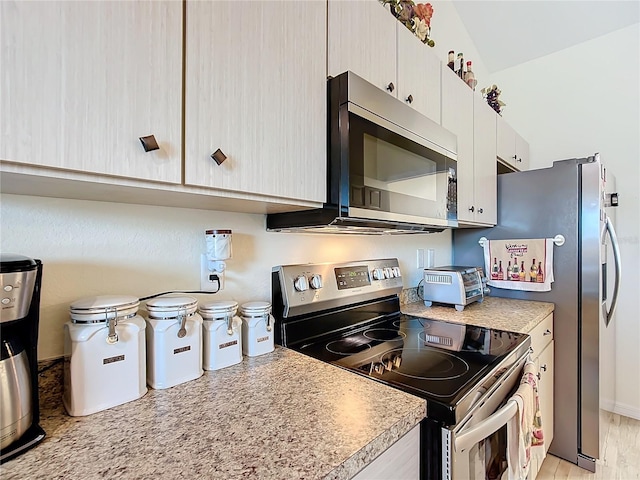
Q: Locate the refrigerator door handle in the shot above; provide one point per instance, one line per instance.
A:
(608, 315)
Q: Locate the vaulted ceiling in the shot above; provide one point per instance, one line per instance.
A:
(507, 33)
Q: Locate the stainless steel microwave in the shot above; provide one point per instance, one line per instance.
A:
(390, 169)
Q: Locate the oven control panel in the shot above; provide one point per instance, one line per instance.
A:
(315, 287)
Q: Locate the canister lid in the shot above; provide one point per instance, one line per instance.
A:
(103, 307)
(170, 306)
(218, 308)
(255, 308)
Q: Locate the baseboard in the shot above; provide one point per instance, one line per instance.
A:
(625, 410)
(607, 404)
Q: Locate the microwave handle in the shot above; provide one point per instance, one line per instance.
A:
(487, 427)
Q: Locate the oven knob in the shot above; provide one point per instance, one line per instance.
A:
(315, 281)
(388, 272)
(378, 274)
(378, 368)
(300, 283)
(388, 364)
(397, 360)
(396, 272)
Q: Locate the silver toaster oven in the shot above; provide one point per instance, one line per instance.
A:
(453, 285)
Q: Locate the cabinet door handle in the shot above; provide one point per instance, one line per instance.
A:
(546, 332)
(472, 209)
(543, 367)
(409, 99)
(515, 157)
(518, 159)
(218, 156)
(391, 87)
(149, 143)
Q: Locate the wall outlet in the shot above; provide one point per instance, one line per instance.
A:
(420, 258)
(208, 283)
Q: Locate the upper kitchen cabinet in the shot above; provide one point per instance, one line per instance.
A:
(485, 179)
(457, 117)
(512, 149)
(362, 38)
(473, 122)
(82, 82)
(418, 74)
(255, 97)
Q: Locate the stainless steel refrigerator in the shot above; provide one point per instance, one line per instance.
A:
(569, 198)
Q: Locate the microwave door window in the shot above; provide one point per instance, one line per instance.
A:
(391, 173)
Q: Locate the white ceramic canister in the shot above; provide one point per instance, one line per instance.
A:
(222, 334)
(257, 328)
(104, 354)
(174, 341)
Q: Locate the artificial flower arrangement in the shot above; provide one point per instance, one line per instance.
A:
(491, 94)
(416, 17)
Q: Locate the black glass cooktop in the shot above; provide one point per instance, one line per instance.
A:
(439, 361)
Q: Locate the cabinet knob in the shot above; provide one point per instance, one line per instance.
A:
(547, 332)
(472, 209)
(518, 159)
(515, 157)
(480, 210)
(149, 143)
(391, 87)
(409, 99)
(543, 367)
(218, 156)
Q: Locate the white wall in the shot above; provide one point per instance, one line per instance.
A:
(573, 103)
(96, 248)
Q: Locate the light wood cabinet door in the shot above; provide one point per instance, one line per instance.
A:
(418, 74)
(511, 148)
(82, 81)
(400, 461)
(457, 117)
(545, 391)
(255, 88)
(484, 163)
(361, 37)
(522, 153)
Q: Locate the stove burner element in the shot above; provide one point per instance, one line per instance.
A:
(427, 363)
(348, 346)
(384, 334)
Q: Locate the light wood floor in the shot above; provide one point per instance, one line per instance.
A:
(620, 455)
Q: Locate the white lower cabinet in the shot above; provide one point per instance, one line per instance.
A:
(542, 345)
(401, 461)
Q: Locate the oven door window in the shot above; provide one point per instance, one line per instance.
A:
(391, 173)
(488, 458)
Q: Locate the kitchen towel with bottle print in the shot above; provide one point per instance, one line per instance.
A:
(525, 438)
(522, 264)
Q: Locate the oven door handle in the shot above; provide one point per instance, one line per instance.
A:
(486, 427)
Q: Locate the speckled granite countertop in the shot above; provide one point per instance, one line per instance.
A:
(494, 312)
(277, 416)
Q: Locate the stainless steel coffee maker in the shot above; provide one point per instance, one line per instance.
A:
(20, 283)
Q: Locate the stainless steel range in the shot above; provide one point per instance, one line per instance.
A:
(348, 314)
